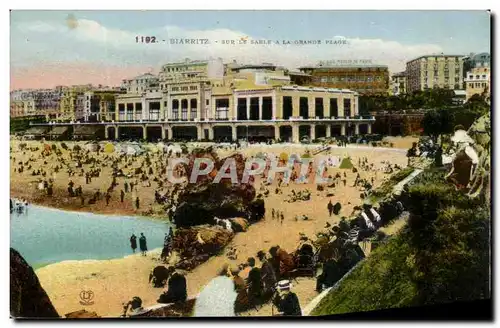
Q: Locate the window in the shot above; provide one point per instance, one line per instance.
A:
(175, 109)
(193, 87)
(324, 79)
(207, 102)
(175, 88)
(221, 109)
(194, 107)
(184, 89)
(347, 107)
(484, 76)
(165, 104)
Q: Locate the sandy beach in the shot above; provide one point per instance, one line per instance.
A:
(118, 280)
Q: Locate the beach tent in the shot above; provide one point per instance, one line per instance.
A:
(260, 155)
(174, 148)
(109, 148)
(283, 157)
(132, 149)
(161, 147)
(295, 158)
(346, 163)
(151, 148)
(91, 146)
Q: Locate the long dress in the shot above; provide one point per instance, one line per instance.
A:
(216, 299)
(142, 244)
(268, 276)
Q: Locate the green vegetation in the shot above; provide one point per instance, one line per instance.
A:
(20, 124)
(387, 186)
(441, 255)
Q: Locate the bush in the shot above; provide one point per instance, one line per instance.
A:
(64, 146)
(77, 148)
(54, 147)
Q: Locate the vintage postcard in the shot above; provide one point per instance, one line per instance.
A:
(248, 163)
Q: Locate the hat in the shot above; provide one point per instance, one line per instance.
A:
(284, 285)
(235, 270)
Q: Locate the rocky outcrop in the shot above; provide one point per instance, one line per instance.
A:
(198, 203)
(27, 297)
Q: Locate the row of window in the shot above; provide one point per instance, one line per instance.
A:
(190, 88)
(179, 69)
(453, 59)
(446, 86)
(477, 76)
(349, 78)
(476, 85)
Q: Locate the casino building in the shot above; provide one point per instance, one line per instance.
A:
(209, 100)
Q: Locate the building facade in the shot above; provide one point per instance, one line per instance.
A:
(435, 71)
(71, 95)
(398, 84)
(100, 104)
(476, 60)
(207, 100)
(478, 82)
(36, 102)
(364, 79)
(22, 103)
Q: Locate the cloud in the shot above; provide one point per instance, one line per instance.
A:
(90, 41)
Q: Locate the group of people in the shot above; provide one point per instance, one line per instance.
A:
(143, 246)
(19, 206)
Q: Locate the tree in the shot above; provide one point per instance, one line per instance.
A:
(437, 122)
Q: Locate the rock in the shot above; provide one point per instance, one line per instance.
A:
(200, 202)
(27, 297)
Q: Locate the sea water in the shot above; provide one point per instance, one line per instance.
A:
(44, 235)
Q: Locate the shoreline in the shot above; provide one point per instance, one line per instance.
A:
(90, 214)
(57, 203)
(153, 252)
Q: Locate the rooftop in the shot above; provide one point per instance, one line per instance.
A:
(435, 55)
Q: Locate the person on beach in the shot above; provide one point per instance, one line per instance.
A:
(143, 244)
(330, 207)
(108, 197)
(254, 282)
(177, 288)
(286, 301)
(133, 243)
(137, 202)
(122, 195)
(268, 275)
(282, 261)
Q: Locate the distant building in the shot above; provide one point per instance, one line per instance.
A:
(366, 79)
(100, 104)
(477, 81)
(22, 103)
(435, 71)
(476, 60)
(35, 102)
(69, 99)
(398, 84)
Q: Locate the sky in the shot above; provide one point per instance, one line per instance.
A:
(50, 48)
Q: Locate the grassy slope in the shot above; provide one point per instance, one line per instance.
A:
(382, 281)
(457, 259)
